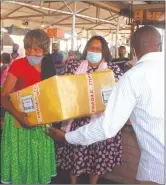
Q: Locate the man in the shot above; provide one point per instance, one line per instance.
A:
(139, 94)
(121, 61)
(55, 47)
(122, 52)
(57, 56)
(58, 59)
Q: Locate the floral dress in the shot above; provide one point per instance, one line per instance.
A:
(95, 159)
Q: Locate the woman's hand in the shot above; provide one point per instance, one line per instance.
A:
(56, 134)
(22, 119)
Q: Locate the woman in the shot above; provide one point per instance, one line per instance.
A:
(27, 155)
(100, 157)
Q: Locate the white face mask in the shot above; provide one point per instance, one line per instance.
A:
(93, 57)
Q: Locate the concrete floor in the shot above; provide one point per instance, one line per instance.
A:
(63, 178)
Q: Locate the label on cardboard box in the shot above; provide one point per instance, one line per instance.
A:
(105, 94)
(91, 93)
(28, 105)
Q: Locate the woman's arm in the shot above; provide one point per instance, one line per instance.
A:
(7, 104)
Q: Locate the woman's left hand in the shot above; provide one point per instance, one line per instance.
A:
(56, 134)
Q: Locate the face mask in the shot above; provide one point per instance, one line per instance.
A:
(33, 60)
(15, 51)
(94, 58)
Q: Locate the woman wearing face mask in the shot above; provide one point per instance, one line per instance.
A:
(100, 157)
(27, 155)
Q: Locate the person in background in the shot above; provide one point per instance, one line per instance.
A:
(122, 60)
(131, 62)
(57, 57)
(122, 52)
(94, 159)
(70, 56)
(15, 55)
(59, 63)
(55, 48)
(139, 94)
(27, 156)
(6, 60)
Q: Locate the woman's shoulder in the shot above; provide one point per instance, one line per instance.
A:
(18, 66)
(112, 65)
(74, 64)
(19, 62)
(72, 67)
(115, 68)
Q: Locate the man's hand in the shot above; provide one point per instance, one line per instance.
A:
(56, 134)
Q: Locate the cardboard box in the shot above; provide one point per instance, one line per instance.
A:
(64, 97)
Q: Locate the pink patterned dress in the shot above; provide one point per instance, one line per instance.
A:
(98, 158)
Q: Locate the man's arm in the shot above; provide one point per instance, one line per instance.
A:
(120, 105)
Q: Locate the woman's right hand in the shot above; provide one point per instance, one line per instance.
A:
(22, 119)
(8, 87)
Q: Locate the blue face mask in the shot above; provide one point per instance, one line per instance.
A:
(15, 51)
(33, 60)
(94, 58)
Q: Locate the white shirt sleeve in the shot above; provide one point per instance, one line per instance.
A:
(120, 105)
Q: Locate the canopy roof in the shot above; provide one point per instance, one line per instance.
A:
(99, 17)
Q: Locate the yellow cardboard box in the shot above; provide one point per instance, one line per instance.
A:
(64, 97)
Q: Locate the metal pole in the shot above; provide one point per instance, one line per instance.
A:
(51, 42)
(38, 7)
(117, 31)
(162, 36)
(112, 45)
(94, 18)
(73, 26)
(87, 35)
(112, 38)
(131, 30)
(60, 11)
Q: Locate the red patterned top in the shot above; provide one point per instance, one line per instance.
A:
(25, 73)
